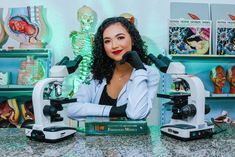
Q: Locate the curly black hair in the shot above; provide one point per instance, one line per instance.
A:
(102, 66)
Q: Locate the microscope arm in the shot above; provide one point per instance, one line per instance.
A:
(39, 101)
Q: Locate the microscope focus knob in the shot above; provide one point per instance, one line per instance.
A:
(49, 110)
(188, 111)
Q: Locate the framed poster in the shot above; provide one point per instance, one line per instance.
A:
(192, 37)
(225, 37)
(27, 25)
(221, 12)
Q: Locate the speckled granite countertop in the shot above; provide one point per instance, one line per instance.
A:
(13, 142)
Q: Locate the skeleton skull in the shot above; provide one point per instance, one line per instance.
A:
(87, 18)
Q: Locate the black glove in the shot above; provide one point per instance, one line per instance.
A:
(118, 111)
(133, 58)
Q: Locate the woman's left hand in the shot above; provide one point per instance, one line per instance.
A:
(133, 58)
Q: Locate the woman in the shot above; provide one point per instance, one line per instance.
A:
(121, 84)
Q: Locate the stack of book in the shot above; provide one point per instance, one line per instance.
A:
(114, 126)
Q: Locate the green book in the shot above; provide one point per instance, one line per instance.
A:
(114, 126)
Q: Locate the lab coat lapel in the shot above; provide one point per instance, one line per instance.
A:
(98, 90)
(124, 89)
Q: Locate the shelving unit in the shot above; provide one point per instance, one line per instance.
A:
(208, 58)
(200, 65)
(10, 61)
(221, 96)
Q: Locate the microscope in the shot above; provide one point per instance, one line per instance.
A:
(47, 103)
(188, 105)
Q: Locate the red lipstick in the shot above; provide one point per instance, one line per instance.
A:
(117, 52)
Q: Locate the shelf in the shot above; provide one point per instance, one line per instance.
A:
(22, 53)
(212, 96)
(15, 90)
(221, 96)
(224, 58)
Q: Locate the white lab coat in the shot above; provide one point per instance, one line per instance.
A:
(138, 93)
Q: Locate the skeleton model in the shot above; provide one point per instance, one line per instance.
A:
(82, 45)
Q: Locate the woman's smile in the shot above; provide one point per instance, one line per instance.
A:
(117, 52)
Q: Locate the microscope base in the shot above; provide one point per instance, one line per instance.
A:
(187, 132)
(50, 134)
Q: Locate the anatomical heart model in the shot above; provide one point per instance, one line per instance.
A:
(231, 79)
(27, 26)
(217, 76)
(3, 34)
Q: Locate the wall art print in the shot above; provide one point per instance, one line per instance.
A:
(225, 37)
(27, 25)
(190, 37)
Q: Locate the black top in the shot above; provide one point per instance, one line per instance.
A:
(105, 99)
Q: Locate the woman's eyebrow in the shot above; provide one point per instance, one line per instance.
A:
(119, 34)
(107, 38)
(115, 35)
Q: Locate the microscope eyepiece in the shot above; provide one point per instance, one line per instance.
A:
(159, 62)
(63, 61)
(160, 56)
(72, 65)
(78, 59)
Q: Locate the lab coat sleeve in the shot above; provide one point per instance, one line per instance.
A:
(142, 92)
(84, 106)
